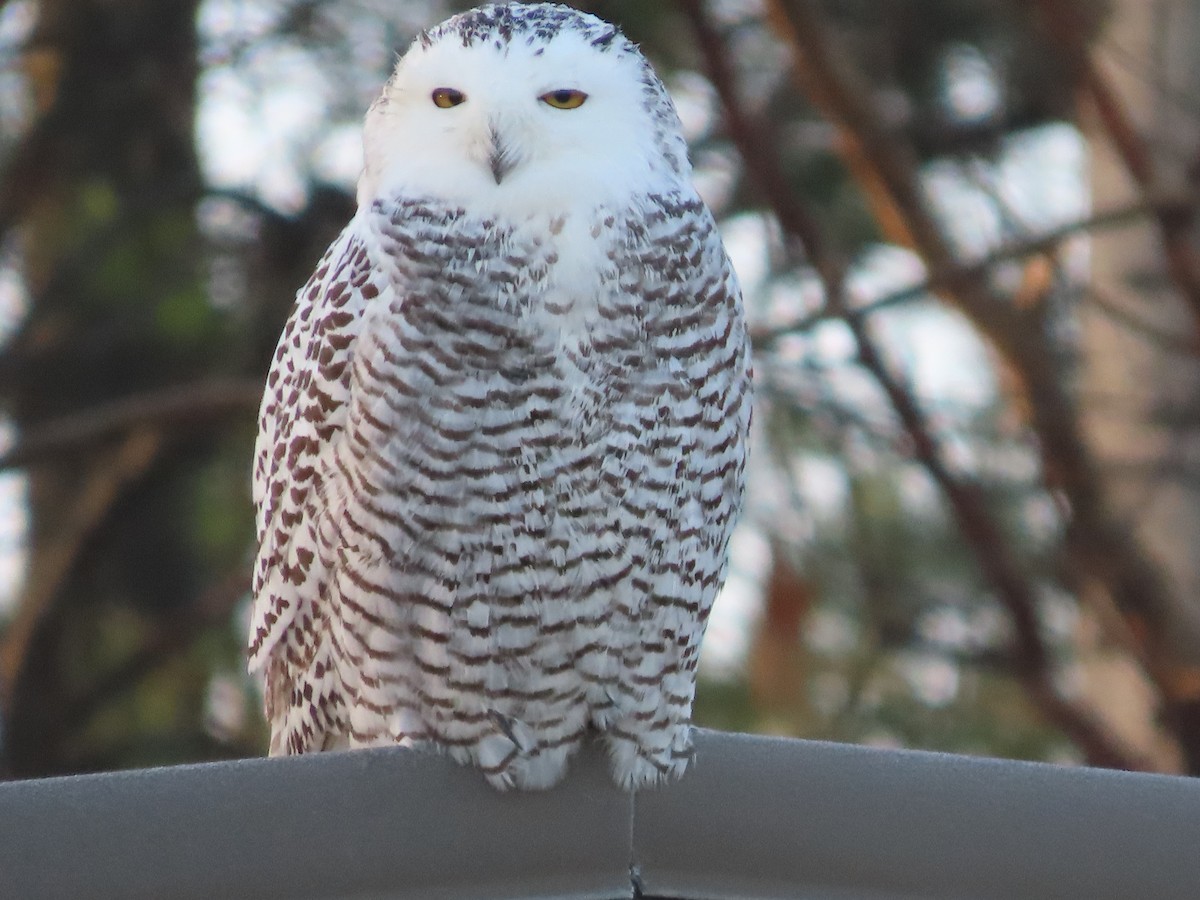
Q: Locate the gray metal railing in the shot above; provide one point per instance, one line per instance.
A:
(755, 817)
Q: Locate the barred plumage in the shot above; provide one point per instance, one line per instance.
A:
(502, 443)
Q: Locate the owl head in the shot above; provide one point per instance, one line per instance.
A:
(520, 108)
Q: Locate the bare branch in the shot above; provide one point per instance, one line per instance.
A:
(1110, 306)
(187, 407)
(106, 484)
(1031, 245)
(1063, 18)
(1106, 549)
(892, 178)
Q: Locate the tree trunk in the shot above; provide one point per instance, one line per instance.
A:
(102, 191)
(1140, 372)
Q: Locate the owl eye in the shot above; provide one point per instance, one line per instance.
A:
(444, 98)
(566, 98)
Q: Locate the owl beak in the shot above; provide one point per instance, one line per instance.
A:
(501, 159)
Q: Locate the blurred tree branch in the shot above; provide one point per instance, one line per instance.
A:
(110, 477)
(1064, 20)
(175, 409)
(891, 181)
(1105, 550)
(1103, 300)
(27, 172)
(143, 423)
(1044, 242)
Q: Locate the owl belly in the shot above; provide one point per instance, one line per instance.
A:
(486, 603)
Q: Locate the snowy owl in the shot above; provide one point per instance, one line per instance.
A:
(503, 439)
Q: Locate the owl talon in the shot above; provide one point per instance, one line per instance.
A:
(511, 727)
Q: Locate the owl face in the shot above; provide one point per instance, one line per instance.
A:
(521, 115)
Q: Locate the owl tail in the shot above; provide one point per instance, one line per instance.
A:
(305, 706)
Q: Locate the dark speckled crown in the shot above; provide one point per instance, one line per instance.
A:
(533, 23)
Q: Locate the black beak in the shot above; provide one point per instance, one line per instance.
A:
(500, 159)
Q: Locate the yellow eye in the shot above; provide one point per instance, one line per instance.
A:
(564, 99)
(444, 98)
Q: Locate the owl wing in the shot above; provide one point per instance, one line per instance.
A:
(677, 453)
(303, 414)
